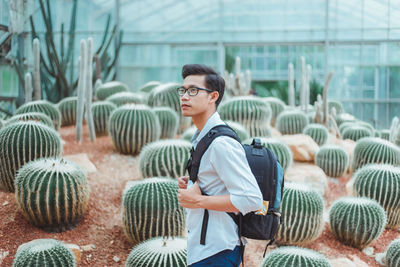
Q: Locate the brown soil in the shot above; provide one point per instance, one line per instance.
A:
(101, 225)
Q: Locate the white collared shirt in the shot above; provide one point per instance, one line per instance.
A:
(223, 170)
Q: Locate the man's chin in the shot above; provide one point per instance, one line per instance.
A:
(185, 113)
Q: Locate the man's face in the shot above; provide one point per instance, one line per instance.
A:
(195, 105)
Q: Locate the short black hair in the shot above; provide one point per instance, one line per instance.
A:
(213, 80)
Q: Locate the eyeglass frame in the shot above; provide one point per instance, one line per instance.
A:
(198, 89)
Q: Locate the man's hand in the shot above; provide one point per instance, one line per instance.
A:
(182, 182)
(190, 198)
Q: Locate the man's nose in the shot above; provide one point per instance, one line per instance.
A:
(185, 96)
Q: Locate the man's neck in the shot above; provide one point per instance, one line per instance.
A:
(201, 119)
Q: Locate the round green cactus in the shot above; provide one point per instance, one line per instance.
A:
(22, 142)
(31, 116)
(393, 254)
(67, 108)
(110, 88)
(165, 158)
(123, 98)
(253, 113)
(375, 150)
(101, 111)
(149, 86)
(318, 132)
(382, 183)
(302, 215)
(279, 148)
(344, 117)
(2, 123)
(291, 122)
(169, 121)
(44, 252)
(277, 106)
(159, 251)
(52, 193)
(150, 208)
(357, 221)
(337, 105)
(332, 159)
(45, 107)
(294, 256)
(384, 134)
(132, 126)
(356, 132)
(188, 133)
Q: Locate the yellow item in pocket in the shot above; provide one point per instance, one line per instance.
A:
(264, 209)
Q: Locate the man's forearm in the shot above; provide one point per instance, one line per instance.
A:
(218, 203)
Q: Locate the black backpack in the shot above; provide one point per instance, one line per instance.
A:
(264, 167)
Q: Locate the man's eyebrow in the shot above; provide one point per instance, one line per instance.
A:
(189, 85)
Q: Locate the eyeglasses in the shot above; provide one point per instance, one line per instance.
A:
(192, 91)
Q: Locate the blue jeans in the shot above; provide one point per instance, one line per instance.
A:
(225, 258)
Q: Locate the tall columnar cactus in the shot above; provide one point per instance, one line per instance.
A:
(67, 108)
(302, 215)
(318, 132)
(332, 159)
(159, 251)
(291, 122)
(337, 105)
(384, 134)
(356, 132)
(28, 88)
(89, 90)
(291, 85)
(169, 121)
(150, 208)
(44, 252)
(37, 87)
(277, 106)
(45, 107)
(22, 142)
(81, 91)
(294, 256)
(132, 126)
(393, 254)
(149, 86)
(110, 88)
(165, 95)
(253, 113)
(344, 117)
(52, 193)
(31, 116)
(375, 150)
(279, 148)
(357, 221)
(165, 158)
(123, 98)
(101, 114)
(382, 183)
(303, 84)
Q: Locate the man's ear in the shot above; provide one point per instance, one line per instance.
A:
(214, 96)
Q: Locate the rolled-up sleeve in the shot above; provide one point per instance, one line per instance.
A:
(228, 158)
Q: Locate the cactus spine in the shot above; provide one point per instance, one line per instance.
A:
(28, 88)
(37, 95)
(332, 159)
(291, 85)
(45, 107)
(393, 254)
(31, 116)
(101, 113)
(169, 121)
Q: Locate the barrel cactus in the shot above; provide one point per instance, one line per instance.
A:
(302, 215)
(101, 113)
(123, 98)
(149, 86)
(132, 126)
(240, 130)
(67, 108)
(356, 132)
(344, 117)
(357, 221)
(332, 159)
(31, 116)
(318, 132)
(253, 113)
(169, 121)
(279, 148)
(375, 150)
(188, 133)
(52, 193)
(384, 134)
(277, 106)
(159, 251)
(22, 142)
(291, 122)
(42, 106)
(150, 208)
(337, 105)
(44, 252)
(393, 254)
(294, 256)
(1, 123)
(382, 183)
(110, 88)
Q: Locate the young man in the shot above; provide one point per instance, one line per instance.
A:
(224, 175)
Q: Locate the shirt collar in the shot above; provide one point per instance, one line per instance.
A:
(214, 120)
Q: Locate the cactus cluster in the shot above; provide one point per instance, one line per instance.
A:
(291, 122)
(101, 113)
(159, 251)
(22, 142)
(253, 113)
(123, 98)
(31, 116)
(357, 221)
(169, 121)
(332, 159)
(165, 158)
(393, 254)
(356, 132)
(375, 150)
(302, 215)
(150, 208)
(294, 256)
(337, 105)
(45, 107)
(318, 132)
(110, 88)
(384, 134)
(382, 183)
(44, 252)
(149, 86)
(132, 126)
(67, 108)
(277, 106)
